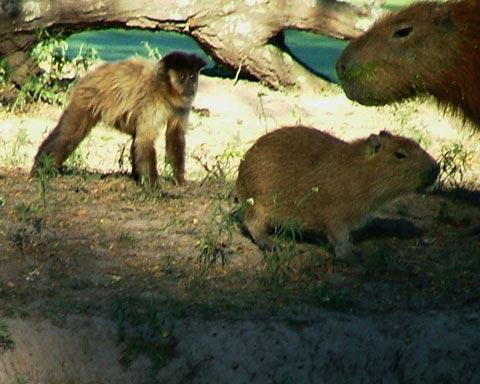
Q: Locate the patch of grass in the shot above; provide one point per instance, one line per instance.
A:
(6, 341)
(331, 297)
(146, 328)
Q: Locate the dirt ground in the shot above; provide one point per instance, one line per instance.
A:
(103, 282)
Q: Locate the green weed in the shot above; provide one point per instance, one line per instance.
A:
(6, 341)
(145, 328)
(219, 235)
(57, 71)
(5, 70)
(454, 162)
(222, 166)
(46, 171)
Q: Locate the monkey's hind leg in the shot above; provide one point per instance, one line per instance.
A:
(144, 161)
(74, 125)
(175, 147)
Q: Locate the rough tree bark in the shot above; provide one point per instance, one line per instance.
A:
(245, 33)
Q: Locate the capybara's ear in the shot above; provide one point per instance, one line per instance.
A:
(441, 15)
(374, 144)
(385, 133)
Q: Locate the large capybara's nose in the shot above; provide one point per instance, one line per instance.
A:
(434, 171)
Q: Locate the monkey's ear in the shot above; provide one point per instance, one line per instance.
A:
(374, 143)
(161, 70)
(198, 62)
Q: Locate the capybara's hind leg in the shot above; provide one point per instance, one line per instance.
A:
(72, 128)
(144, 161)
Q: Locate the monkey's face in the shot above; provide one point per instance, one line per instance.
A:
(184, 83)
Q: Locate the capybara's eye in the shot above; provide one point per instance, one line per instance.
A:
(403, 32)
(400, 155)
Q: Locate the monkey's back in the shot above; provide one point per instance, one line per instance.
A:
(118, 92)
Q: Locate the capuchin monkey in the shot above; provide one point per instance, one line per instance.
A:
(137, 97)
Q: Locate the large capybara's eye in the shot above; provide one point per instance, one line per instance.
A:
(400, 155)
(402, 32)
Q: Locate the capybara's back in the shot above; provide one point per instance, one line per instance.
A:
(308, 177)
(429, 47)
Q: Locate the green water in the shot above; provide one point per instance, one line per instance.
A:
(317, 52)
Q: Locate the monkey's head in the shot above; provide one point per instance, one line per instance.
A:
(180, 71)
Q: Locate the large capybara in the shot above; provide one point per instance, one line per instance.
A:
(307, 177)
(429, 47)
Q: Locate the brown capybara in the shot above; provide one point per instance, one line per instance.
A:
(307, 177)
(429, 47)
(136, 97)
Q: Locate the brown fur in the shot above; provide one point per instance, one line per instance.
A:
(136, 97)
(317, 181)
(428, 47)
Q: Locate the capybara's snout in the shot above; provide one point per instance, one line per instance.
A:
(431, 175)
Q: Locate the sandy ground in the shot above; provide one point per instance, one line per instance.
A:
(67, 261)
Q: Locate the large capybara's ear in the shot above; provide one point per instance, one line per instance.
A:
(441, 15)
(374, 143)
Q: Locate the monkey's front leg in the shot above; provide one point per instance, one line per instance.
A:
(175, 147)
(144, 160)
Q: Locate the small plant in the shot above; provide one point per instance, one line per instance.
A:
(45, 172)
(223, 166)
(6, 341)
(219, 235)
(454, 162)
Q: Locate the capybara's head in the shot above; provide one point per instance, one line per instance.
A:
(399, 164)
(413, 51)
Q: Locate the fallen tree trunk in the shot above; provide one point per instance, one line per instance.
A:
(246, 34)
